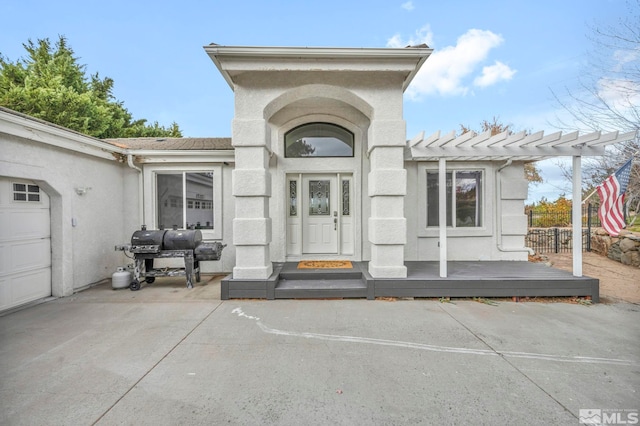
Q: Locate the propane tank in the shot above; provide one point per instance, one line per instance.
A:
(121, 278)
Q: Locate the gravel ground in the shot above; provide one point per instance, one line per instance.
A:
(618, 282)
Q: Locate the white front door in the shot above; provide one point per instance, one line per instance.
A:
(319, 214)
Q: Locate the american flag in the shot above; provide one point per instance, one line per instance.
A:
(612, 192)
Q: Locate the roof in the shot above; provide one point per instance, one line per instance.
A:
(45, 123)
(232, 61)
(34, 129)
(172, 144)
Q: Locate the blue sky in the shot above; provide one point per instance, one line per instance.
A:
(491, 58)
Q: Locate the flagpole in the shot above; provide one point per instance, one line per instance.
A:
(589, 196)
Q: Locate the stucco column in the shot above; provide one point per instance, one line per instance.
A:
(387, 188)
(251, 182)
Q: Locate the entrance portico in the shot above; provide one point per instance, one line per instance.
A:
(358, 90)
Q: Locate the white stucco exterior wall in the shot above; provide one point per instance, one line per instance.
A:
(350, 100)
(103, 217)
(503, 230)
(223, 206)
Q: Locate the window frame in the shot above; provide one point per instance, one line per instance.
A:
(151, 215)
(452, 198)
(485, 203)
(30, 190)
(321, 123)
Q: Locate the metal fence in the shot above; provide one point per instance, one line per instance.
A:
(555, 240)
(552, 232)
(549, 220)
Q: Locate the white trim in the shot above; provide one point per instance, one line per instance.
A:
(40, 131)
(299, 221)
(150, 191)
(505, 146)
(576, 219)
(317, 52)
(233, 59)
(35, 130)
(182, 156)
(287, 167)
(487, 210)
(442, 215)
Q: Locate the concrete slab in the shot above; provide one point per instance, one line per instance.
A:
(98, 359)
(593, 350)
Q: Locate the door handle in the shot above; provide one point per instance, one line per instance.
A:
(335, 223)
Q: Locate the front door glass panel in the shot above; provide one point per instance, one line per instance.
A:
(319, 194)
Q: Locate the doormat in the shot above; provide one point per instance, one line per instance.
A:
(324, 264)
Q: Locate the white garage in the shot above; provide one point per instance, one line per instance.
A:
(25, 243)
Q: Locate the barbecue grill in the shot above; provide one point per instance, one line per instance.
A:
(147, 245)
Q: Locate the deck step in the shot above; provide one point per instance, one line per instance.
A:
(320, 288)
(321, 274)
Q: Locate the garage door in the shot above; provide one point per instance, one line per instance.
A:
(25, 243)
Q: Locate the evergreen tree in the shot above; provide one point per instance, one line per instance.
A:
(51, 85)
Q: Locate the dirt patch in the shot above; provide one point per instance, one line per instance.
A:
(618, 282)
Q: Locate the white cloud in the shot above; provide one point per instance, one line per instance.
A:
(618, 93)
(423, 35)
(554, 182)
(493, 74)
(448, 68)
(408, 5)
(623, 57)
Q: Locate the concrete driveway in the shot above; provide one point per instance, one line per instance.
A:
(167, 355)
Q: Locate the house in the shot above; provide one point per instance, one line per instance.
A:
(318, 167)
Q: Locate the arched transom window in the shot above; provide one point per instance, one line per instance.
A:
(318, 140)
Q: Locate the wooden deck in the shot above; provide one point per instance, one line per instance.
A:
(465, 279)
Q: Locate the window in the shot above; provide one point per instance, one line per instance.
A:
(26, 192)
(319, 198)
(193, 190)
(318, 140)
(293, 198)
(465, 202)
(346, 208)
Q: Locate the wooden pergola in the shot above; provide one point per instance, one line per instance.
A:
(509, 147)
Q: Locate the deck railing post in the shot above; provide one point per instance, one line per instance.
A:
(556, 240)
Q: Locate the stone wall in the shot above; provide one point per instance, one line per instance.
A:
(624, 249)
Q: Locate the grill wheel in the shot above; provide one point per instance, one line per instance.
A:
(135, 285)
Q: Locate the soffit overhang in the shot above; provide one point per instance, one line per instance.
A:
(232, 61)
